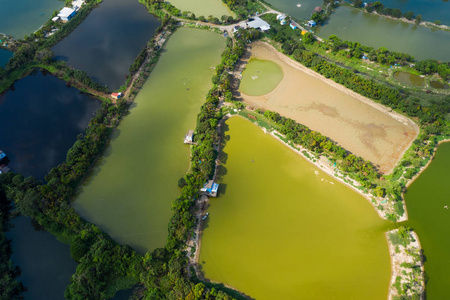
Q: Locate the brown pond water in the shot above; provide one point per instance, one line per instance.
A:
(356, 123)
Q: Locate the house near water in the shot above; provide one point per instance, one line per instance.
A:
(318, 9)
(210, 189)
(311, 23)
(116, 95)
(258, 23)
(66, 14)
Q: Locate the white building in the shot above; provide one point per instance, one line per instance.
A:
(258, 23)
(67, 13)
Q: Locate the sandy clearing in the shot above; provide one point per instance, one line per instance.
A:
(357, 123)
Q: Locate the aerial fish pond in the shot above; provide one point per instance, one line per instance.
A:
(130, 191)
(282, 229)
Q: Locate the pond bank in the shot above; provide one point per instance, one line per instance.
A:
(219, 246)
(335, 111)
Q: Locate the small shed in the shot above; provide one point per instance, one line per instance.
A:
(189, 137)
(210, 188)
(116, 95)
(293, 26)
(283, 22)
(55, 19)
(281, 17)
(318, 9)
(311, 23)
(304, 32)
(67, 13)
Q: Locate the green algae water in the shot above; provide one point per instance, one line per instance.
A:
(299, 9)
(425, 201)
(281, 229)
(409, 78)
(260, 77)
(130, 191)
(375, 31)
(203, 7)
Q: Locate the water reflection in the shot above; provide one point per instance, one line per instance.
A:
(108, 41)
(40, 118)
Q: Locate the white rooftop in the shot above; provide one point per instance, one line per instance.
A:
(78, 3)
(65, 12)
(259, 23)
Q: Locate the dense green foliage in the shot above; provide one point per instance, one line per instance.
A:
(431, 66)
(138, 61)
(356, 167)
(10, 287)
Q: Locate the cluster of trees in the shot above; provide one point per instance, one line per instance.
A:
(379, 8)
(138, 61)
(354, 49)
(431, 66)
(242, 8)
(289, 39)
(363, 171)
(80, 77)
(10, 287)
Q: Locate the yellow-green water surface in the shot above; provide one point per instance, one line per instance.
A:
(203, 7)
(260, 77)
(427, 200)
(409, 78)
(130, 191)
(281, 230)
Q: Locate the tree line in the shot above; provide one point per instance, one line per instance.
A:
(379, 8)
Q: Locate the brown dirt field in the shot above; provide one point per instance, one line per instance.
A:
(358, 124)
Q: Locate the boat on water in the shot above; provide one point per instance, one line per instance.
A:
(205, 216)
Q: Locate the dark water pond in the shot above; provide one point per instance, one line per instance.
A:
(108, 41)
(5, 55)
(45, 262)
(40, 118)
